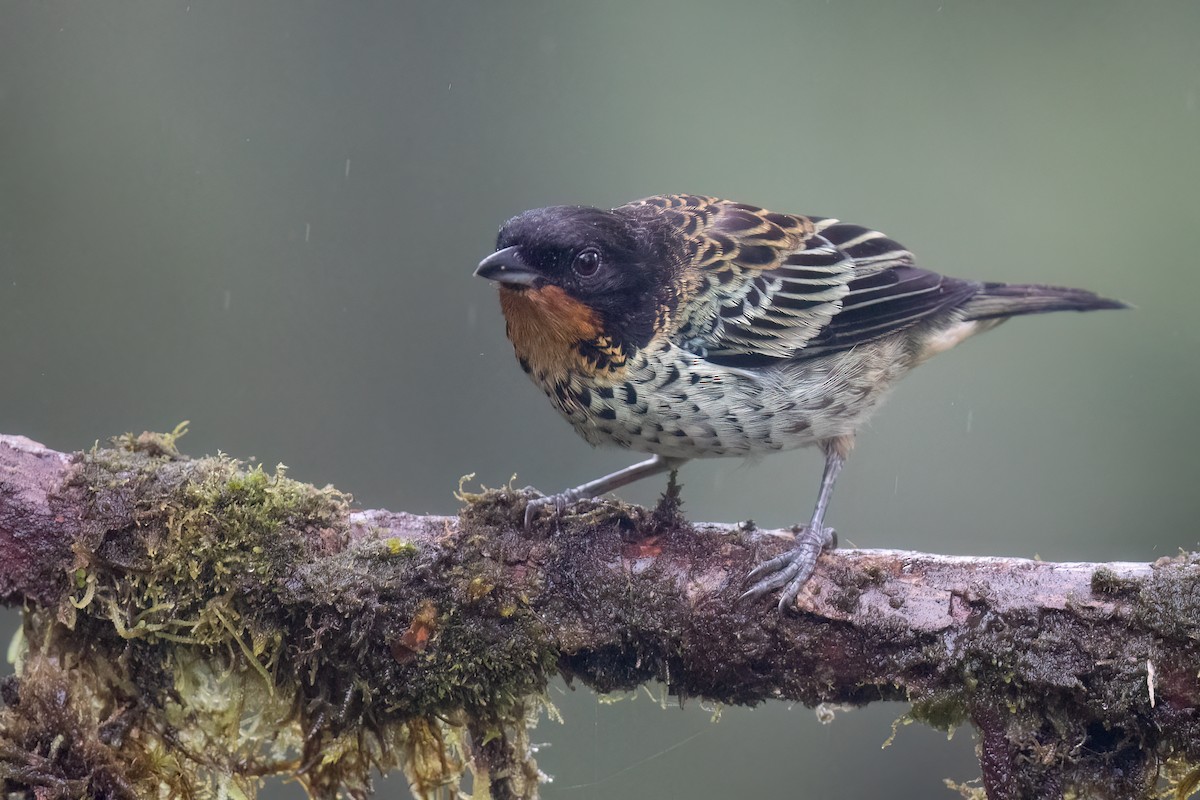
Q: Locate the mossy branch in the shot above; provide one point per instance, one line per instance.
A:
(192, 626)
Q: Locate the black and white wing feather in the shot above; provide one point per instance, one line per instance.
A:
(768, 287)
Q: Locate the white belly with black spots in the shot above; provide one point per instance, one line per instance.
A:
(675, 404)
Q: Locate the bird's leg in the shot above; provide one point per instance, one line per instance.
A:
(792, 569)
(622, 477)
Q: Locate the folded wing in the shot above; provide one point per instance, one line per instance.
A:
(768, 287)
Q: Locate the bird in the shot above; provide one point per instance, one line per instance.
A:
(688, 326)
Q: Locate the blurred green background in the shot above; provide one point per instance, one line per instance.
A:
(263, 218)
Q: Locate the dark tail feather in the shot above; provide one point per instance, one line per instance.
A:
(1000, 300)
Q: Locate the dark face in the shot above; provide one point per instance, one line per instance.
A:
(620, 267)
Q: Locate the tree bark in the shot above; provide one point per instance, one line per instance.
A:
(383, 639)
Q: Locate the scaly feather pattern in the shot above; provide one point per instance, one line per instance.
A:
(765, 286)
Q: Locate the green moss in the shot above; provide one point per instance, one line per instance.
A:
(233, 630)
(1107, 583)
(213, 541)
(61, 732)
(229, 619)
(1022, 681)
(668, 513)
(153, 444)
(945, 711)
(1169, 601)
(398, 548)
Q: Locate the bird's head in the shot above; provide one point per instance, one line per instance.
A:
(582, 266)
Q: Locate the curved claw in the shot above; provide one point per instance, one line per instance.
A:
(559, 501)
(792, 569)
(531, 509)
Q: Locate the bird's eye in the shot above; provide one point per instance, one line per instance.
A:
(586, 263)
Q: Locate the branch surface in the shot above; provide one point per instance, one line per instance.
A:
(383, 639)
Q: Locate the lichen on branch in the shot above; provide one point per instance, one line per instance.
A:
(193, 626)
(220, 623)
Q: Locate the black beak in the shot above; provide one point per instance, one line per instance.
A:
(506, 266)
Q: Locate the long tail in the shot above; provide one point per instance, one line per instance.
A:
(1001, 300)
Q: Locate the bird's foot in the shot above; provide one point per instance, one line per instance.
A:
(792, 569)
(558, 502)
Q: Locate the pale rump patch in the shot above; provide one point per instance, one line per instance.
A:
(939, 341)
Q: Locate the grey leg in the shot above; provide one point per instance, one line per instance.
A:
(792, 569)
(622, 477)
